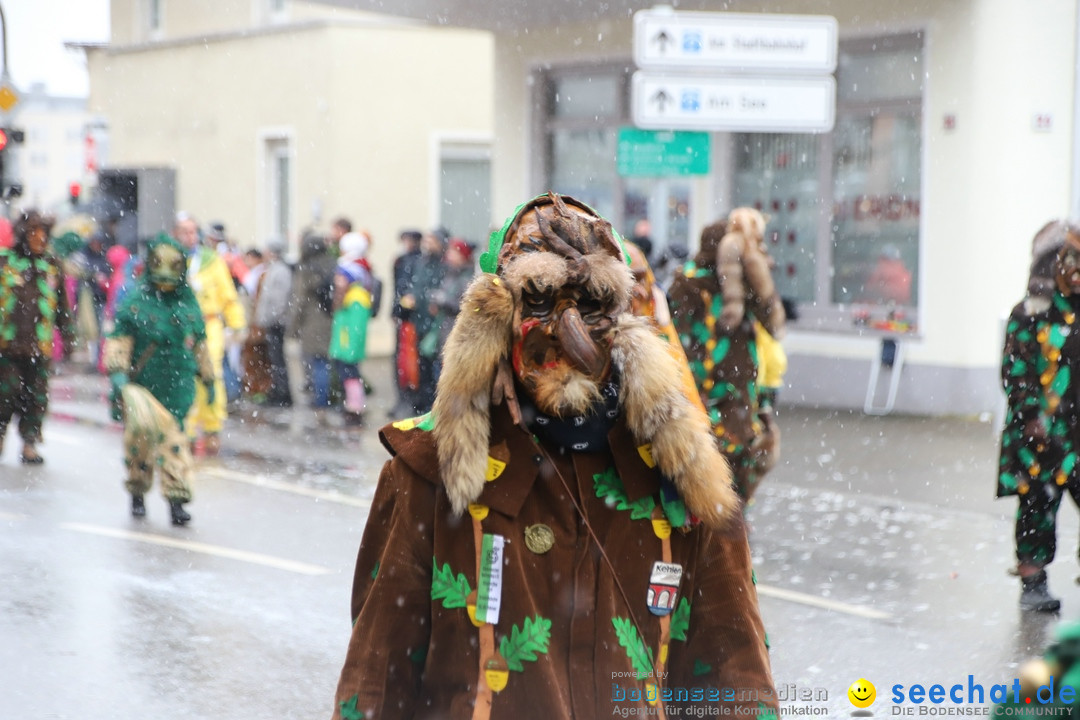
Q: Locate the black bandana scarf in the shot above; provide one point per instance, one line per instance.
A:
(583, 433)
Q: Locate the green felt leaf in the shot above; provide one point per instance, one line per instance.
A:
(680, 620)
(347, 709)
(525, 643)
(609, 488)
(640, 656)
(444, 586)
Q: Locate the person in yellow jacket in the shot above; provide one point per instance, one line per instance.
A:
(209, 278)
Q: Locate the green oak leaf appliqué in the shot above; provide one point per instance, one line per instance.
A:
(347, 709)
(680, 620)
(444, 586)
(525, 643)
(640, 656)
(611, 490)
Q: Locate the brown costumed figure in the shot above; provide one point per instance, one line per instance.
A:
(714, 303)
(559, 536)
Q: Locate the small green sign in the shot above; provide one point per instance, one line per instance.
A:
(662, 152)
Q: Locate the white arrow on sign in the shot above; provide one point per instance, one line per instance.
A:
(734, 103)
(736, 42)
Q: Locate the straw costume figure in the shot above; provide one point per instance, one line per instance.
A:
(159, 345)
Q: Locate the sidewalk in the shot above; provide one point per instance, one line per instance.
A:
(276, 435)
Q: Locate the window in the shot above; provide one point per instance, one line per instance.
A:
(275, 11)
(845, 206)
(465, 191)
(584, 110)
(154, 18)
(278, 183)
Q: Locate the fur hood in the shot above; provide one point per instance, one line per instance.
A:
(476, 374)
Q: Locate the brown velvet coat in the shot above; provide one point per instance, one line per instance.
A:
(414, 652)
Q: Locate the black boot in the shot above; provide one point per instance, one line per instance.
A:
(179, 515)
(138, 508)
(1036, 596)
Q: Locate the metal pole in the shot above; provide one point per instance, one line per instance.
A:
(3, 33)
(6, 79)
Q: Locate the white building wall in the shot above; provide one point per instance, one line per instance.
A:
(358, 101)
(987, 185)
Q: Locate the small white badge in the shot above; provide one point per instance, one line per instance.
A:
(490, 582)
(664, 587)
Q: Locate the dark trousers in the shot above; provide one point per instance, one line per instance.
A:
(279, 394)
(1036, 522)
(24, 389)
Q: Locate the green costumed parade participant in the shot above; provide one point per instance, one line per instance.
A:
(32, 308)
(159, 343)
(1039, 454)
(716, 303)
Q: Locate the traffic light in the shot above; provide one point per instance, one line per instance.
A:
(74, 191)
(9, 137)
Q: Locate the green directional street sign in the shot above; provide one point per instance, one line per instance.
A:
(650, 153)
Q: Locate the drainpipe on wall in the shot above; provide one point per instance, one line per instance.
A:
(1074, 201)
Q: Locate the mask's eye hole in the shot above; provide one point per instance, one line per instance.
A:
(591, 309)
(537, 304)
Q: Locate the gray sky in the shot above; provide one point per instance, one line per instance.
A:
(36, 33)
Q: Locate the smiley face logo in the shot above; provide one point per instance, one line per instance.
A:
(862, 693)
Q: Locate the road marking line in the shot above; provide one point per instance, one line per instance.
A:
(241, 555)
(63, 438)
(820, 602)
(11, 516)
(262, 481)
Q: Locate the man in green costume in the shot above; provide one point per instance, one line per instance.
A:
(32, 307)
(159, 342)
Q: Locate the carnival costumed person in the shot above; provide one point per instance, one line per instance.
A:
(159, 343)
(714, 303)
(1039, 366)
(348, 330)
(562, 516)
(647, 300)
(33, 306)
(210, 280)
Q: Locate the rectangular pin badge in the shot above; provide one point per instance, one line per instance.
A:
(664, 587)
(490, 582)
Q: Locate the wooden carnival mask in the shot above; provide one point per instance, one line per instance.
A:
(568, 273)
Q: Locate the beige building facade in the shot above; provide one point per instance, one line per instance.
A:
(281, 115)
(953, 144)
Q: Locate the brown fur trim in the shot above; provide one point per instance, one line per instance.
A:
(541, 270)
(609, 277)
(479, 341)
(745, 278)
(118, 353)
(657, 411)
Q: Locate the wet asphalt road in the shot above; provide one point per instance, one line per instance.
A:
(879, 551)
